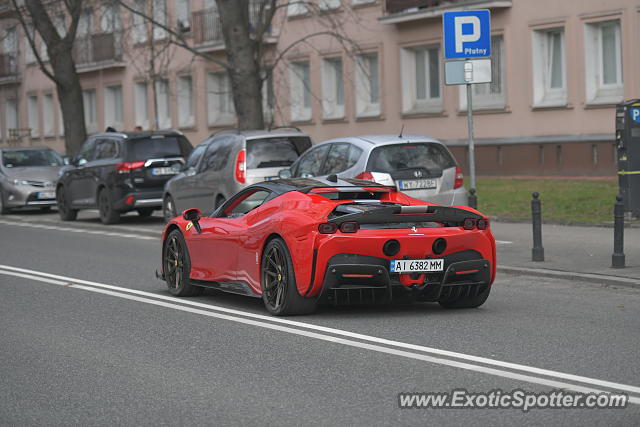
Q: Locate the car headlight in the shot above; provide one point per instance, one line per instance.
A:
(21, 182)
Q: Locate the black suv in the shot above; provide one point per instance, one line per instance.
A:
(121, 172)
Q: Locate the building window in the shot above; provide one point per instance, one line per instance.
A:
(32, 115)
(300, 87)
(268, 99)
(139, 23)
(89, 103)
(185, 102)
(113, 107)
(220, 100)
(142, 106)
(488, 96)
(183, 15)
(359, 2)
(159, 16)
(297, 8)
(421, 90)
(549, 76)
(603, 57)
(164, 109)
(332, 88)
(328, 4)
(367, 85)
(47, 115)
(29, 55)
(11, 114)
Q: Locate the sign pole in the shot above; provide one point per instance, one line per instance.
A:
(472, 148)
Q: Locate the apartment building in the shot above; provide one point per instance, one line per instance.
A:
(558, 69)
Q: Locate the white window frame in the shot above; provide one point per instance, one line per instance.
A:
(598, 92)
(185, 101)
(164, 104)
(543, 94)
(366, 104)
(221, 111)
(411, 103)
(488, 101)
(359, 2)
(329, 4)
(142, 104)
(300, 91)
(332, 88)
(48, 115)
(113, 107)
(33, 118)
(90, 111)
(297, 8)
(11, 118)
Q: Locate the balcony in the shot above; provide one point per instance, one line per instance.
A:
(9, 68)
(207, 29)
(98, 51)
(397, 11)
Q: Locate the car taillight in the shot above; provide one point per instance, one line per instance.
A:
(459, 178)
(469, 224)
(123, 167)
(349, 227)
(366, 176)
(327, 228)
(241, 167)
(483, 224)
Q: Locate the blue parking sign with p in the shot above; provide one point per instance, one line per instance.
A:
(467, 34)
(635, 114)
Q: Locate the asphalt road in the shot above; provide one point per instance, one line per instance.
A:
(88, 336)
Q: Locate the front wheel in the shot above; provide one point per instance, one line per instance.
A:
(278, 281)
(3, 207)
(64, 207)
(176, 266)
(467, 301)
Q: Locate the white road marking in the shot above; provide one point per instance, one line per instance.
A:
(503, 242)
(272, 323)
(80, 230)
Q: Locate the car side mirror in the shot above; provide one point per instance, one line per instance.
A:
(193, 215)
(81, 162)
(284, 174)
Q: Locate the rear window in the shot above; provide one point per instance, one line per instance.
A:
(154, 148)
(275, 152)
(390, 158)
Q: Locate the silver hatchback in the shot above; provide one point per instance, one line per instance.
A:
(228, 161)
(419, 166)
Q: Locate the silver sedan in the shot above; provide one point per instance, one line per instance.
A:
(28, 177)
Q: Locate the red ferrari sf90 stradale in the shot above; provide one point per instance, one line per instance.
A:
(299, 242)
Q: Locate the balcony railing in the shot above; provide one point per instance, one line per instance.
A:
(395, 6)
(98, 49)
(397, 11)
(207, 28)
(8, 65)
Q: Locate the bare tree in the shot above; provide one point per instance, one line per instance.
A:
(48, 18)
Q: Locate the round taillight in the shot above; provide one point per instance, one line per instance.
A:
(391, 247)
(439, 246)
(469, 224)
(349, 227)
(483, 224)
(327, 228)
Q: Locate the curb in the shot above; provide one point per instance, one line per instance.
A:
(600, 279)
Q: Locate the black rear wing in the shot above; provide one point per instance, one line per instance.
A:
(451, 217)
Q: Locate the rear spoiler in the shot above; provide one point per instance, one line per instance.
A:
(449, 216)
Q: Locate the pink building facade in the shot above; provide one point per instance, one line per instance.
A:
(559, 68)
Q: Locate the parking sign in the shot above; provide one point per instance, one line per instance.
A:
(467, 34)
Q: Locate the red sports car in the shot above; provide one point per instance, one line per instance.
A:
(298, 242)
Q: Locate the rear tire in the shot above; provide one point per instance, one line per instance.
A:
(176, 266)
(467, 302)
(168, 209)
(145, 212)
(108, 215)
(64, 206)
(278, 282)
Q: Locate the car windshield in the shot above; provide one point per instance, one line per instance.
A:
(390, 158)
(160, 147)
(31, 158)
(275, 152)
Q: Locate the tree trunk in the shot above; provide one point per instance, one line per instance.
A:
(242, 56)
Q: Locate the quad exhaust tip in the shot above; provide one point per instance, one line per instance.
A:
(391, 247)
(439, 246)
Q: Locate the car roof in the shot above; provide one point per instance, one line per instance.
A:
(261, 133)
(371, 141)
(25, 148)
(304, 185)
(138, 135)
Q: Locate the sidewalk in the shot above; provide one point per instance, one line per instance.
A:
(571, 252)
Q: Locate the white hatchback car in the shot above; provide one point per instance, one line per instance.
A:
(419, 166)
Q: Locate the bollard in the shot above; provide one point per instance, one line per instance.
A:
(473, 199)
(617, 259)
(537, 253)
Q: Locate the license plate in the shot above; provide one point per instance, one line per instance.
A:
(47, 195)
(163, 171)
(270, 178)
(415, 184)
(416, 265)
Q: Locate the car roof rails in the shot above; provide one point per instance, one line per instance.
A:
(285, 127)
(226, 130)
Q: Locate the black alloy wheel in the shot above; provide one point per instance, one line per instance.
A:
(108, 215)
(177, 266)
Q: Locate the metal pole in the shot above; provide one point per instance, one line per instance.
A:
(472, 148)
(617, 259)
(537, 252)
(473, 199)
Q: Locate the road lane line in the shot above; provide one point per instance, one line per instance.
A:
(77, 283)
(80, 230)
(503, 242)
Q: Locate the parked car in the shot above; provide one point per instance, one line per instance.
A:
(227, 162)
(28, 177)
(121, 172)
(299, 242)
(418, 165)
